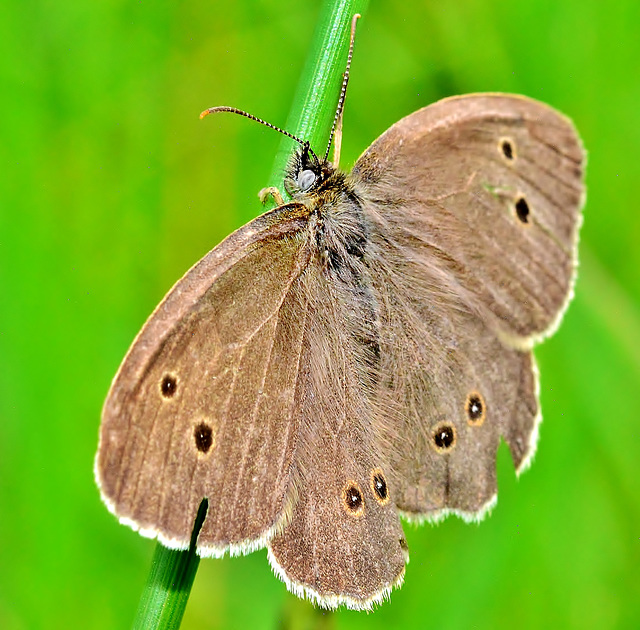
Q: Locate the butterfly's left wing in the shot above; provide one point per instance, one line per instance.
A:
(203, 405)
(247, 387)
(344, 543)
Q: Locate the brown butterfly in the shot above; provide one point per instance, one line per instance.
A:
(355, 355)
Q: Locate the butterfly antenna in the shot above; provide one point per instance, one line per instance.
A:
(235, 110)
(345, 81)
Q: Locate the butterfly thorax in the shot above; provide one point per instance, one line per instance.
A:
(336, 219)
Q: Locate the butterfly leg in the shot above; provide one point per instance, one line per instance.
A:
(270, 191)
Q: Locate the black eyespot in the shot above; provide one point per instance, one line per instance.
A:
(522, 210)
(379, 486)
(475, 409)
(444, 437)
(507, 149)
(403, 544)
(352, 499)
(203, 436)
(168, 386)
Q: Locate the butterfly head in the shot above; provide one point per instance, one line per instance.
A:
(306, 172)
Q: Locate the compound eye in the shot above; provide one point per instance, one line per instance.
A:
(306, 179)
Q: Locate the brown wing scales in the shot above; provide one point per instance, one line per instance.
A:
(344, 543)
(474, 207)
(444, 183)
(192, 422)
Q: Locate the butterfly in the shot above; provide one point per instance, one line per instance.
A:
(356, 354)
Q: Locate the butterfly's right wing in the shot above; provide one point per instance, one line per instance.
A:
(474, 206)
(203, 403)
(488, 187)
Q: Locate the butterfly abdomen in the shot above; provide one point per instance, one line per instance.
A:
(341, 242)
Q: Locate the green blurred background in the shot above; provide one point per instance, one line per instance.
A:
(110, 188)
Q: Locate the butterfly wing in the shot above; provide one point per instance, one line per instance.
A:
(203, 404)
(492, 186)
(249, 386)
(344, 543)
(474, 208)
(453, 389)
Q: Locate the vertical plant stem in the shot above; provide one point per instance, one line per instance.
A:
(172, 573)
(169, 583)
(314, 106)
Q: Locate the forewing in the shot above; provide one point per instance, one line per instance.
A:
(203, 404)
(491, 187)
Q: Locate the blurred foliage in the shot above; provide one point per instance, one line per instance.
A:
(111, 188)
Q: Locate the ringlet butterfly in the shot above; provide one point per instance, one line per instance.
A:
(355, 355)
